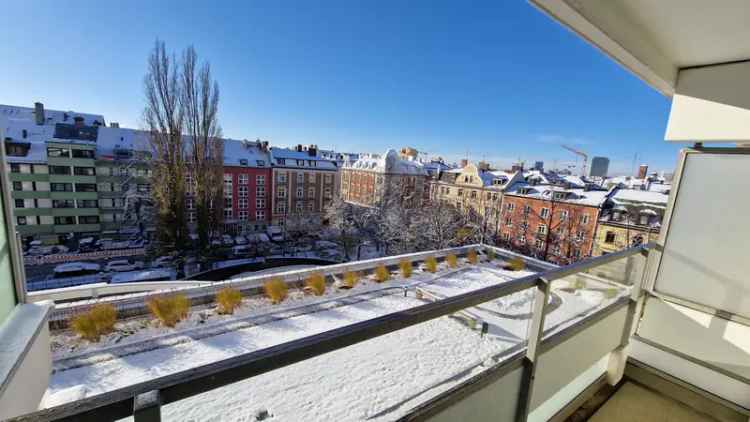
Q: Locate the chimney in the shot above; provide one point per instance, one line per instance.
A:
(642, 171)
(299, 148)
(312, 150)
(78, 121)
(39, 113)
(114, 125)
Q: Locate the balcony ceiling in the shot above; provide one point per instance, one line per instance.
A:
(656, 38)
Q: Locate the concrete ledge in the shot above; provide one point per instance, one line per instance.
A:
(25, 359)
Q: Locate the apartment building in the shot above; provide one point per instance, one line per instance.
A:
(551, 222)
(476, 190)
(51, 157)
(303, 182)
(247, 186)
(373, 178)
(635, 218)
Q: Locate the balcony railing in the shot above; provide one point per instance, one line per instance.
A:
(144, 400)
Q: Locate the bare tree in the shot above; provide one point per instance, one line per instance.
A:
(164, 119)
(200, 105)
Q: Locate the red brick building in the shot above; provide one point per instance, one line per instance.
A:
(247, 187)
(371, 178)
(550, 222)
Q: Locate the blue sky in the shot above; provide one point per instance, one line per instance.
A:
(498, 80)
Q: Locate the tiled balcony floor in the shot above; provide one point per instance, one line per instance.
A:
(635, 403)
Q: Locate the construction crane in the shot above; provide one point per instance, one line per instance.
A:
(580, 154)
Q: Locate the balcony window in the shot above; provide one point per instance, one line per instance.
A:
(59, 170)
(58, 152)
(88, 219)
(83, 153)
(84, 171)
(67, 220)
(61, 187)
(87, 203)
(85, 187)
(63, 203)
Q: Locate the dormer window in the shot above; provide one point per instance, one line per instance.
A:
(260, 163)
(243, 162)
(280, 161)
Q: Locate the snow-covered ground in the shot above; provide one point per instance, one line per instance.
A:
(380, 379)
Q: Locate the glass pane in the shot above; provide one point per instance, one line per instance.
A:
(7, 288)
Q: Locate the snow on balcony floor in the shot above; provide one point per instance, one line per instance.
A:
(381, 379)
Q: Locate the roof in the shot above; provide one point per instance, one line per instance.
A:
(51, 116)
(236, 151)
(111, 138)
(290, 157)
(644, 196)
(591, 198)
(390, 162)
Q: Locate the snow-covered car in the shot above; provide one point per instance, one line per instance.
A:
(275, 250)
(137, 243)
(275, 233)
(120, 265)
(227, 240)
(240, 240)
(325, 244)
(303, 248)
(240, 251)
(216, 243)
(163, 261)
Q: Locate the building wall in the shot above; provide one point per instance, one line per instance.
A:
(249, 204)
(613, 237)
(369, 187)
(358, 186)
(567, 239)
(301, 191)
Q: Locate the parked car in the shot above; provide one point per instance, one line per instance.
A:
(275, 233)
(227, 240)
(87, 244)
(137, 243)
(163, 261)
(241, 251)
(240, 240)
(120, 265)
(325, 244)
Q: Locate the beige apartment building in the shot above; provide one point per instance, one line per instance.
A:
(372, 178)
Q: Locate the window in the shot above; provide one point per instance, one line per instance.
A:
(539, 244)
(556, 249)
(243, 214)
(311, 193)
(65, 220)
(88, 219)
(84, 171)
(576, 253)
(260, 179)
(301, 163)
(584, 219)
(579, 235)
(300, 193)
(510, 207)
(21, 221)
(20, 203)
(260, 203)
(243, 179)
(508, 222)
(460, 192)
(15, 150)
(506, 237)
(144, 188)
(311, 206)
(242, 191)
(260, 163)
(328, 178)
(563, 215)
(61, 187)
(494, 197)
(522, 239)
(300, 177)
(87, 203)
(104, 187)
(260, 191)
(59, 170)
(242, 203)
(228, 213)
(609, 237)
(327, 194)
(190, 204)
(527, 209)
(280, 161)
(191, 217)
(58, 152)
(311, 177)
(281, 192)
(300, 206)
(281, 207)
(260, 215)
(281, 178)
(83, 153)
(542, 229)
(15, 168)
(85, 187)
(63, 203)
(17, 186)
(544, 213)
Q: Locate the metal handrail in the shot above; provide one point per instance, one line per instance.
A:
(144, 397)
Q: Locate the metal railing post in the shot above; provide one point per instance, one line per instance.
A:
(536, 332)
(147, 407)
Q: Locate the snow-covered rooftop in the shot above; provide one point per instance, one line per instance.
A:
(245, 153)
(300, 159)
(50, 116)
(644, 196)
(592, 198)
(111, 138)
(390, 162)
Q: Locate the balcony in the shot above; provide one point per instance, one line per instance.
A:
(508, 357)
